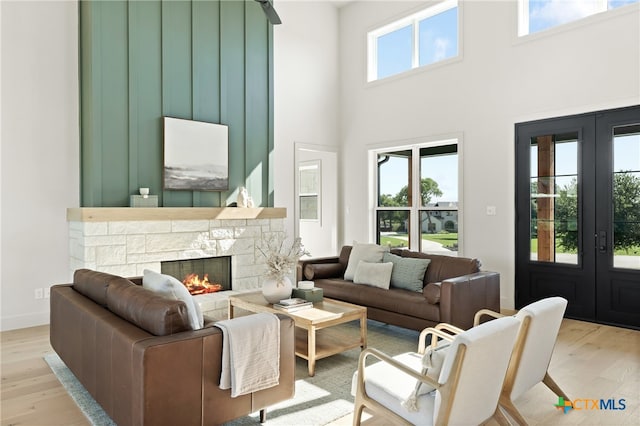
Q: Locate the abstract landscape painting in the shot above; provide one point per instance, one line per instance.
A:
(196, 155)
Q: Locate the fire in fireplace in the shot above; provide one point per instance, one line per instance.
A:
(195, 285)
(200, 276)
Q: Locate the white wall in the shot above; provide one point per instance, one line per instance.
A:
(305, 86)
(39, 170)
(500, 81)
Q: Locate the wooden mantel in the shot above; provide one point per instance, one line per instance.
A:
(111, 214)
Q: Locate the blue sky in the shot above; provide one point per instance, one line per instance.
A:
(442, 169)
(544, 14)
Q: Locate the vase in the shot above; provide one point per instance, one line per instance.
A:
(274, 290)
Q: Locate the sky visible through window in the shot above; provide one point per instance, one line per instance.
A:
(545, 14)
(437, 40)
(441, 168)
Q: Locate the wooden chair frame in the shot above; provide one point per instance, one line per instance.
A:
(514, 365)
(447, 390)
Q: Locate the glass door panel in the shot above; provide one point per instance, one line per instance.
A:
(554, 198)
(626, 197)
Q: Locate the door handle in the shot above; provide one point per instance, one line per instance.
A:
(602, 242)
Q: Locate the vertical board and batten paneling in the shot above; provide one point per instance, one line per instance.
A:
(202, 60)
(232, 69)
(206, 76)
(145, 94)
(256, 32)
(176, 75)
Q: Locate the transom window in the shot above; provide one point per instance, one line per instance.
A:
(540, 15)
(417, 198)
(420, 39)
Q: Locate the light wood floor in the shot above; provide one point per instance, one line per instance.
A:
(590, 361)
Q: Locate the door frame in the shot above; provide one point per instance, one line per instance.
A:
(596, 290)
(574, 282)
(298, 148)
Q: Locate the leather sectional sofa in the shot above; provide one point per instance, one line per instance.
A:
(453, 290)
(136, 354)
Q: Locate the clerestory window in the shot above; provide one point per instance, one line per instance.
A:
(417, 40)
(541, 15)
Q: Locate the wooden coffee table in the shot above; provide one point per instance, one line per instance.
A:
(325, 316)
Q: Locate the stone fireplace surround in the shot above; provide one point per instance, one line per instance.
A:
(125, 241)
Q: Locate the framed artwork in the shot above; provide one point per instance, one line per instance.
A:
(196, 155)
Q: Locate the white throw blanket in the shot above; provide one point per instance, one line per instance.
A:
(250, 353)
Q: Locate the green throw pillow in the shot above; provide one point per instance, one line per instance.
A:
(408, 272)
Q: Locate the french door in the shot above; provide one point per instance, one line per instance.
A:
(578, 214)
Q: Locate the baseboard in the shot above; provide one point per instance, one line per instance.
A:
(23, 321)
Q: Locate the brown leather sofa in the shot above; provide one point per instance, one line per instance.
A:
(135, 352)
(454, 289)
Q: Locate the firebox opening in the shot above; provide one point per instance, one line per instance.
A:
(200, 276)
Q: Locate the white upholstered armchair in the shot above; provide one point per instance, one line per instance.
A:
(465, 391)
(540, 323)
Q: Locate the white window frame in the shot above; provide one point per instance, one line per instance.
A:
(413, 20)
(414, 210)
(310, 165)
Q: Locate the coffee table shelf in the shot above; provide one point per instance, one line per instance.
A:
(317, 336)
(329, 341)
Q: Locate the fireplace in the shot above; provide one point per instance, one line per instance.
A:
(126, 241)
(201, 276)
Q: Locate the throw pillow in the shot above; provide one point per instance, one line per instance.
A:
(170, 287)
(368, 252)
(432, 362)
(375, 274)
(408, 272)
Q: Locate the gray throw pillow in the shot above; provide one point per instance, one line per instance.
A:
(375, 274)
(408, 272)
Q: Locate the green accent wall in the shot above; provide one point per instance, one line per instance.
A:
(203, 60)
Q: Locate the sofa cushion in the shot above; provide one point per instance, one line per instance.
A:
(168, 286)
(367, 252)
(93, 284)
(151, 312)
(408, 273)
(314, 271)
(432, 293)
(374, 274)
(407, 302)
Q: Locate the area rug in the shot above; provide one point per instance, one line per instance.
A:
(318, 400)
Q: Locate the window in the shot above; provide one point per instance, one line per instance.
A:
(423, 38)
(309, 192)
(429, 221)
(540, 15)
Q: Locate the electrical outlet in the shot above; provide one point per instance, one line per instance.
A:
(38, 293)
(491, 210)
(47, 292)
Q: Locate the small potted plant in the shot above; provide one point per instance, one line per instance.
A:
(281, 259)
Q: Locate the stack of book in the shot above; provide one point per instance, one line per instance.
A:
(292, 305)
